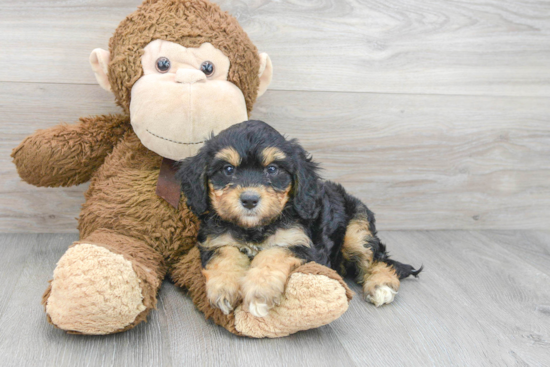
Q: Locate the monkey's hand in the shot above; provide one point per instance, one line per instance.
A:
(67, 155)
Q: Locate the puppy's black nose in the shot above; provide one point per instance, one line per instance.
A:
(250, 199)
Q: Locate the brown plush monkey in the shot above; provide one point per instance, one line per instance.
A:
(179, 70)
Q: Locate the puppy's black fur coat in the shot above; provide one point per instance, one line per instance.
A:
(322, 208)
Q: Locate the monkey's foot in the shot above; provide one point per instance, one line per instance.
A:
(93, 291)
(314, 296)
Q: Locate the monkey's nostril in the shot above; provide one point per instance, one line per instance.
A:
(249, 199)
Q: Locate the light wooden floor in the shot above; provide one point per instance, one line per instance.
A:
(483, 300)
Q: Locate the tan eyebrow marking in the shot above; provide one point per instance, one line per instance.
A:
(272, 154)
(230, 155)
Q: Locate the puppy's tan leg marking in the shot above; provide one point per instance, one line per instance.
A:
(223, 275)
(356, 248)
(380, 282)
(264, 284)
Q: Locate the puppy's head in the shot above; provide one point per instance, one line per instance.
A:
(247, 174)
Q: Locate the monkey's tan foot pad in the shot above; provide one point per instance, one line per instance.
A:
(314, 296)
(93, 291)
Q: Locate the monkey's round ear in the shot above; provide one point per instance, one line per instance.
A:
(265, 74)
(99, 59)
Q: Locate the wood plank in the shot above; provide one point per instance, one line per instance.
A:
(50, 41)
(492, 47)
(14, 249)
(200, 343)
(475, 305)
(28, 340)
(532, 247)
(419, 162)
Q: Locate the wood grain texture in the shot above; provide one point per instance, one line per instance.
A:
(475, 304)
(531, 247)
(28, 340)
(478, 303)
(485, 47)
(209, 345)
(14, 250)
(433, 112)
(419, 162)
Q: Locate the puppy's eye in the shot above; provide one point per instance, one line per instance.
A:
(228, 170)
(272, 169)
(207, 68)
(162, 65)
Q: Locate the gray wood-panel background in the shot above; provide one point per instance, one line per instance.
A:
(436, 113)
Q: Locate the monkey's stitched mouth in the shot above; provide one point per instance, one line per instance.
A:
(173, 141)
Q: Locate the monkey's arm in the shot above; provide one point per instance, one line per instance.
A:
(67, 155)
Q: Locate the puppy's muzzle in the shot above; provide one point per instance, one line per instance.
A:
(250, 199)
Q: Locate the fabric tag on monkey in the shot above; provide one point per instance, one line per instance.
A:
(168, 187)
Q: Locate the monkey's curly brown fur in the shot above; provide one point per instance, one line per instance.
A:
(190, 24)
(67, 155)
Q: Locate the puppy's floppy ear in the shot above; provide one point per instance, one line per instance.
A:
(192, 176)
(306, 184)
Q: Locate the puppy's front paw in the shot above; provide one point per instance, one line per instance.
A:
(261, 295)
(381, 284)
(380, 295)
(259, 303)
(223, 294)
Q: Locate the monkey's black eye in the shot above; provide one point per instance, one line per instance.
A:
(272, 169)
(162, 64)
(228, 170)
(207, 68)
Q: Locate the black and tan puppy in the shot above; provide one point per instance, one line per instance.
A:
(264, 211)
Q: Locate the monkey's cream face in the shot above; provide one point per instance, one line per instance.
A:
(182, 97)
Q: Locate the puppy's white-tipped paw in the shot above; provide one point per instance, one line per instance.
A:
(225, 306)
(381, 295)
(262, 293)
(258, 309)
(222, 295)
